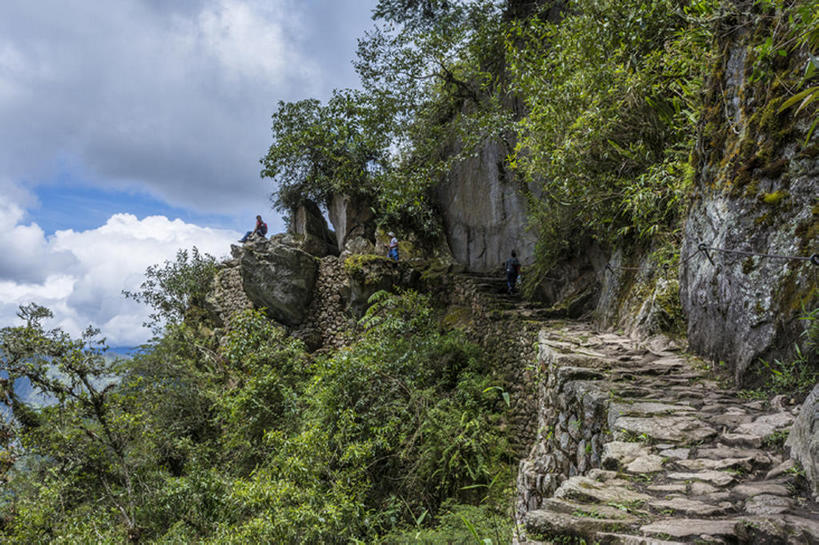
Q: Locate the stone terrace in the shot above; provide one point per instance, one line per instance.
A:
(639, 446)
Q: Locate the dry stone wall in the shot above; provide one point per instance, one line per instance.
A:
(328, 323)
(509, 335)
(227, 295)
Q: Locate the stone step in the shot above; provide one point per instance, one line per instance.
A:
(605, 538)
(689, 460)
(551, 525)
(698, 529)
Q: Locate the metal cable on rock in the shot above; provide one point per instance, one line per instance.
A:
(705, 249)
(814, 259)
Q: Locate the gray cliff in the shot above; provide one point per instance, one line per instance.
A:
(756, 189)
(485, 212)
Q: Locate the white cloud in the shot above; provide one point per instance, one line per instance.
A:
(153, 96)
(27, 255)
(254, 41)
(104, 261)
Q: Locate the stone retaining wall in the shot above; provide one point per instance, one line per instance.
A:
(572, 412)
(328, 323)
(228, 295)
(510, 339)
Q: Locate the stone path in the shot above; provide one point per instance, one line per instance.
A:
(493, 292)
(639, 446)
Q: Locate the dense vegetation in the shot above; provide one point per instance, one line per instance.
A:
(597, 102)
(243, 437)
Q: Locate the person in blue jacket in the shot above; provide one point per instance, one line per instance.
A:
(393, 247)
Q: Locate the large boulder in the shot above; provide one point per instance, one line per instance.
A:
(279, 278)
(309, 225)
(352, 218)
(803, 440)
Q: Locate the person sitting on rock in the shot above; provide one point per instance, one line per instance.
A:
(512, 270)
(259, 230)
(392, 247)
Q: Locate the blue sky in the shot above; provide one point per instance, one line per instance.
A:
(131, 128)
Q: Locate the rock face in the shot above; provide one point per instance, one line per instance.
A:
(351, 218)
(803, 440)
(756, 183)
(484, 214)
(277, 277)
(367, 274)
(307, 222)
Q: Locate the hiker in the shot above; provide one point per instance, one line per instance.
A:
(392, 246)
(260, 230)
(512, 271)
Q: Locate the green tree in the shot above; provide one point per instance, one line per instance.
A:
(78, 440)
(433, 76)
(439, 69)
(323, 149)
(176, 289)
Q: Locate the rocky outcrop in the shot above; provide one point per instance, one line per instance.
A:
(309, 225)
(367, 274)
(803, 440)
(278, 278)
(352, 219)
(639, 297)
(640, 446)
(484, 213)
(264, 274)
(756, 181)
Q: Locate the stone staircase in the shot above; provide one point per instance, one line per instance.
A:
(643, 446)
(639, 444)
(494, 291)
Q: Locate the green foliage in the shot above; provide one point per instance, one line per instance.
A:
(77, 442)
(613, 95)
(429, 428)
(268, 372)
(794, 377)
(438, 67)
(176, 289)
(246, 439)
(803, 22)
(319, 150)
(459, 525)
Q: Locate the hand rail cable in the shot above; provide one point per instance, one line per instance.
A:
(704, 249)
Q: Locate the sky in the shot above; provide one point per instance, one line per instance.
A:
(132, 128)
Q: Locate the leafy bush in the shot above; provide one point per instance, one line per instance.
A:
(245, 439)
(415, 408)
(613, 95)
